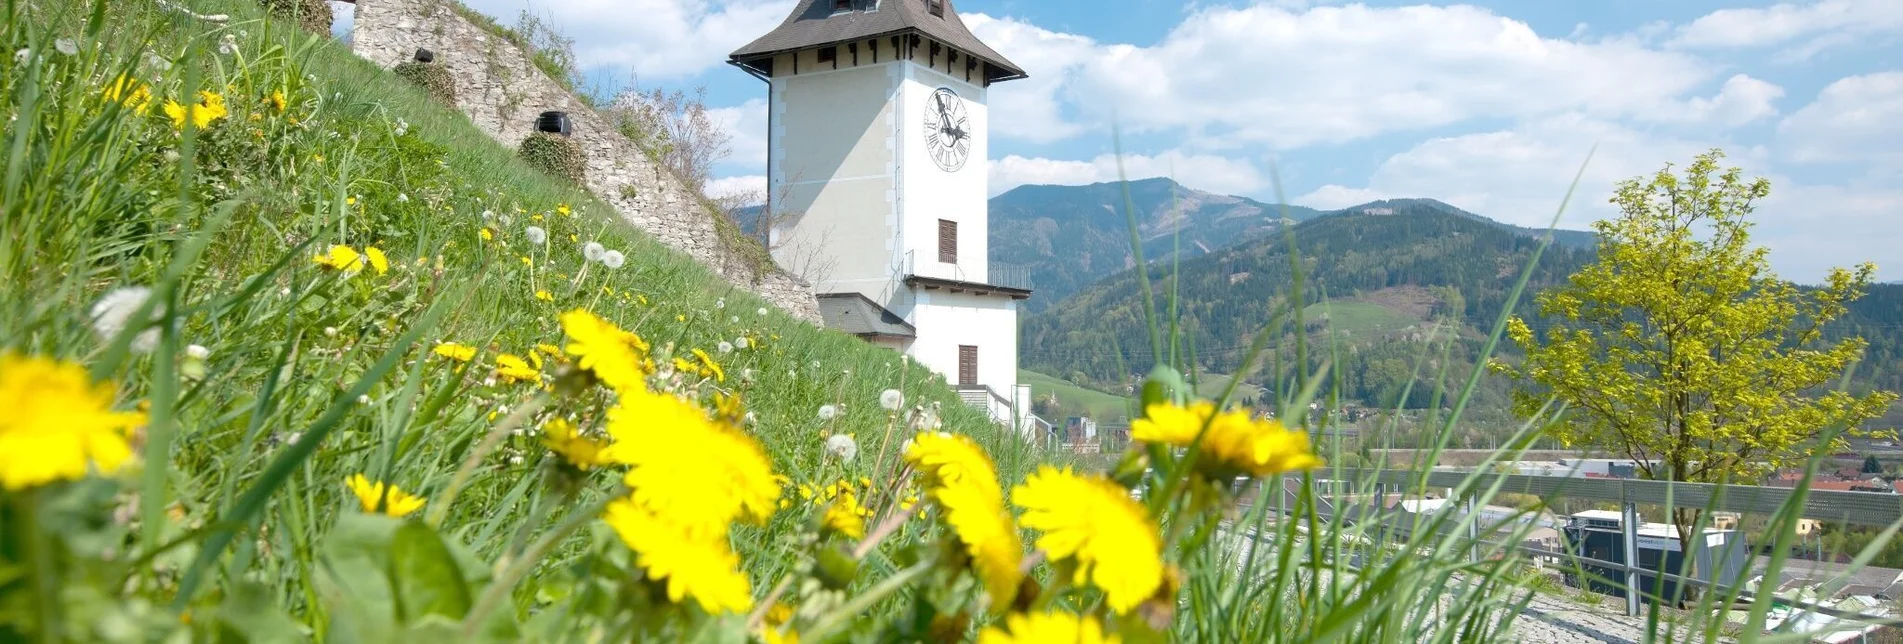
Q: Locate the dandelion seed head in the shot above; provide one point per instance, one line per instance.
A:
(827, 412)
(720, 303)
(113, 312)
(402, 198)
(66, 46)
(613, 259)
(842, 447)
(741, 342)
(734, 319)
(330, 332)
(537, 235)
(724, 347)
(760, 312)
(593, 251)
(198, 352)
(891, 399)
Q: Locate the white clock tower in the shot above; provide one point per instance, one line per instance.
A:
(877, 178)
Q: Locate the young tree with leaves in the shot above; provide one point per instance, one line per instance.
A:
(1679, 348)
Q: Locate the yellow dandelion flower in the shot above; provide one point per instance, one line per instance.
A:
(806, 491)
(1053, 626)
(512, 368)
(526, 262)
(276, 99)
(1234, 443)
(963, 481)
(536, 216)
(397, 504)
(457, 352)
(544, 296)
(210, 107)
(613, 355)
(643, 299)
(377, 260)
(58, 423)
(564, 209)
(846, 517)
(698, 473)
(486, 235)
(552, 350)
(680, 318)
(564, 439)
(699, 566)
(535, 359)
(713, 368)
(340, 258)
(1094, 522)
(128, 92)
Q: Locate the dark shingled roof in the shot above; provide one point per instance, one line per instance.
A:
(854, 313)
(814, 23)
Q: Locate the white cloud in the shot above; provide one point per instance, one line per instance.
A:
(1521, 175)
(1807, 28)
(1238, 76)
(1217, 174)
(1741, 100)
(747, 123)
(1855, 119)
(656, 39)
(751, 188)
(1035, 103)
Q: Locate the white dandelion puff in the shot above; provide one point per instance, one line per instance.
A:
(720, 303)
(761, 312)
(330, 332)
(725, 347)
(113, 311)
(402, 198)
(22, 56)
(197, 352)
(827, 412)
(593, 251)
(363, 399)
(488, 215)
(613, 259)
(537, 235)
(734, 319)
(741, 342)
(842, 447)
(66, 46)
(891, 399)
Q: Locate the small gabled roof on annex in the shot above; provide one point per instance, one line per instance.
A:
(815, 23)
(856, 314)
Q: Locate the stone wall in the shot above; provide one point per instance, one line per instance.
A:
(503, 92)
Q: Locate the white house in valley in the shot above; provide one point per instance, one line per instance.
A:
(877, 177)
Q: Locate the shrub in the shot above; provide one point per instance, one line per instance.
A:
(557, 155)
(433, 78)
(313, 15)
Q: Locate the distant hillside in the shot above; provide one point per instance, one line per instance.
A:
(1389, 277)
(1072, 236)
(1568, 238)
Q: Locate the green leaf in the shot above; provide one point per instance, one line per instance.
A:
(249, 614)
(425, 575)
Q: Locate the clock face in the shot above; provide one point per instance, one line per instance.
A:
(947, 130)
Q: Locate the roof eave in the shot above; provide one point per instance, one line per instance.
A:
(741, 57)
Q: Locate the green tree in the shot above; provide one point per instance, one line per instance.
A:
(1871, 465)
(1678, 347)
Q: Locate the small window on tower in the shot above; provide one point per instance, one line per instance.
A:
(935, 7)
(828, 54)
(948, 241)
(842, 5)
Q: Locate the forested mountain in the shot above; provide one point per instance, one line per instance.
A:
(1390, 282)
(1072, 236)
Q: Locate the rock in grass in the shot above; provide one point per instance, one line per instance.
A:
(433, 78)
(313, 15)
(556, 155)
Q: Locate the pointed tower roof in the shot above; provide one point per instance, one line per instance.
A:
(815, 23)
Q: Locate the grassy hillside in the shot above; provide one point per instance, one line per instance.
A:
(1074, 400)
(269, 378)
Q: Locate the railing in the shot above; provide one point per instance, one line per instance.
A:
(1001, 275)
(1855, 508)
(1009, 276)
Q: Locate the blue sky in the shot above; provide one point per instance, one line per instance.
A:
(1491, 106)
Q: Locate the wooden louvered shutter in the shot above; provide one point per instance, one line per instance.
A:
(948, 241)
(967, 364)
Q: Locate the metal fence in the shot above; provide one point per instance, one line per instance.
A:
(1854, 508)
